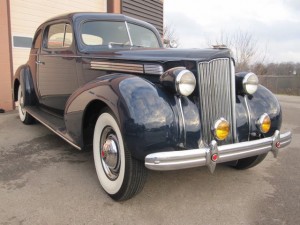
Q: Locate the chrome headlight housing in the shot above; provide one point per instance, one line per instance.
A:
(250, 83)
(180, 80)
(185, 82)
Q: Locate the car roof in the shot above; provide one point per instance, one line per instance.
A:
(78, 17)
(75, 16)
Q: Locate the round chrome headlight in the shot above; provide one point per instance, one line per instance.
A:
(250, 83)
(185, 82)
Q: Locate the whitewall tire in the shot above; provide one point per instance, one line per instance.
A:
(23, 115)
(120, 175)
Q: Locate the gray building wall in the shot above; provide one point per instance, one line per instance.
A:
(150, 11)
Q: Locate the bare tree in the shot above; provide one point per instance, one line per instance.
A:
(244, 46)
(259, 68)
(170, 34)
(283, 68)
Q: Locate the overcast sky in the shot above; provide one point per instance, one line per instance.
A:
(275, 23)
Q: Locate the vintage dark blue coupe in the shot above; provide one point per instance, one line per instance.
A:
(104, 81)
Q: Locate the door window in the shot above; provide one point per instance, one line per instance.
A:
(59, 36)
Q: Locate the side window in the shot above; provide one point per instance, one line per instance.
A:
(59, 36)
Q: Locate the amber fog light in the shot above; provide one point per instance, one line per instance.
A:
(221, 129)
(264, 123)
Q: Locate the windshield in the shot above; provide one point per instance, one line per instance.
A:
(105, 34)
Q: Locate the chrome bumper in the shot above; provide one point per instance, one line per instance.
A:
(176, 160)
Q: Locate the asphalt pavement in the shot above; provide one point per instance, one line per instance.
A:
(44, 180)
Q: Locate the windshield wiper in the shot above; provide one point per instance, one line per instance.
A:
(111, 44)
(138, 46)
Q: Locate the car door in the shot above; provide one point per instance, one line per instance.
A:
(57, 78)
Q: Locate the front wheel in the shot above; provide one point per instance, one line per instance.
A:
(23, 115)
(120, 175)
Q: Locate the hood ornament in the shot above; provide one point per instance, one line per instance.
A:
(219, 46)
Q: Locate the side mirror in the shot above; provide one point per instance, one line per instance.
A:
(173, 44)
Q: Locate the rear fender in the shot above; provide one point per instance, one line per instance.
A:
(23, 75)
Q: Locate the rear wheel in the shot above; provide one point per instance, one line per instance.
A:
(249, 162)
(120, 175)
(23, 115)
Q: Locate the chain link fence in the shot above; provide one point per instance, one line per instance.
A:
(288, 85)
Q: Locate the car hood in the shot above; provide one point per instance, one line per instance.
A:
(161, 55)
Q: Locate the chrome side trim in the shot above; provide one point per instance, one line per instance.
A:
(53, 130)
(153, 69)
(233, 99)
(248, 114)
(112, 66)
(183, 121)
(58, 55)
(128, 67)
(175, 160)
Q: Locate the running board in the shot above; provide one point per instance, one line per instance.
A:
(54, 123)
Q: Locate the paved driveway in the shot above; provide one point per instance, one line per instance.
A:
(43, 180)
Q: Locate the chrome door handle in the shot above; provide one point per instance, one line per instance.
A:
(40, 62)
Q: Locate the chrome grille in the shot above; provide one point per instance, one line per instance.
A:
(217, 96)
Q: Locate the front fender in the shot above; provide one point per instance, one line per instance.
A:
(146, 114)
(264, 101)
(251, 107)
(150, 122)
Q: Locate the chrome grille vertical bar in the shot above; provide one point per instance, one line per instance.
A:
(217, 96)
(233, 97)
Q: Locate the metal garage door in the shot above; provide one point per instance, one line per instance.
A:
(27, 15)
(150, 11)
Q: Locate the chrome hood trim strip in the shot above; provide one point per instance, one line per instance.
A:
(128, 67)
(124, 67)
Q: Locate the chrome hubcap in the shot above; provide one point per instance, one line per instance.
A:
(109, 154)
(21, 103)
